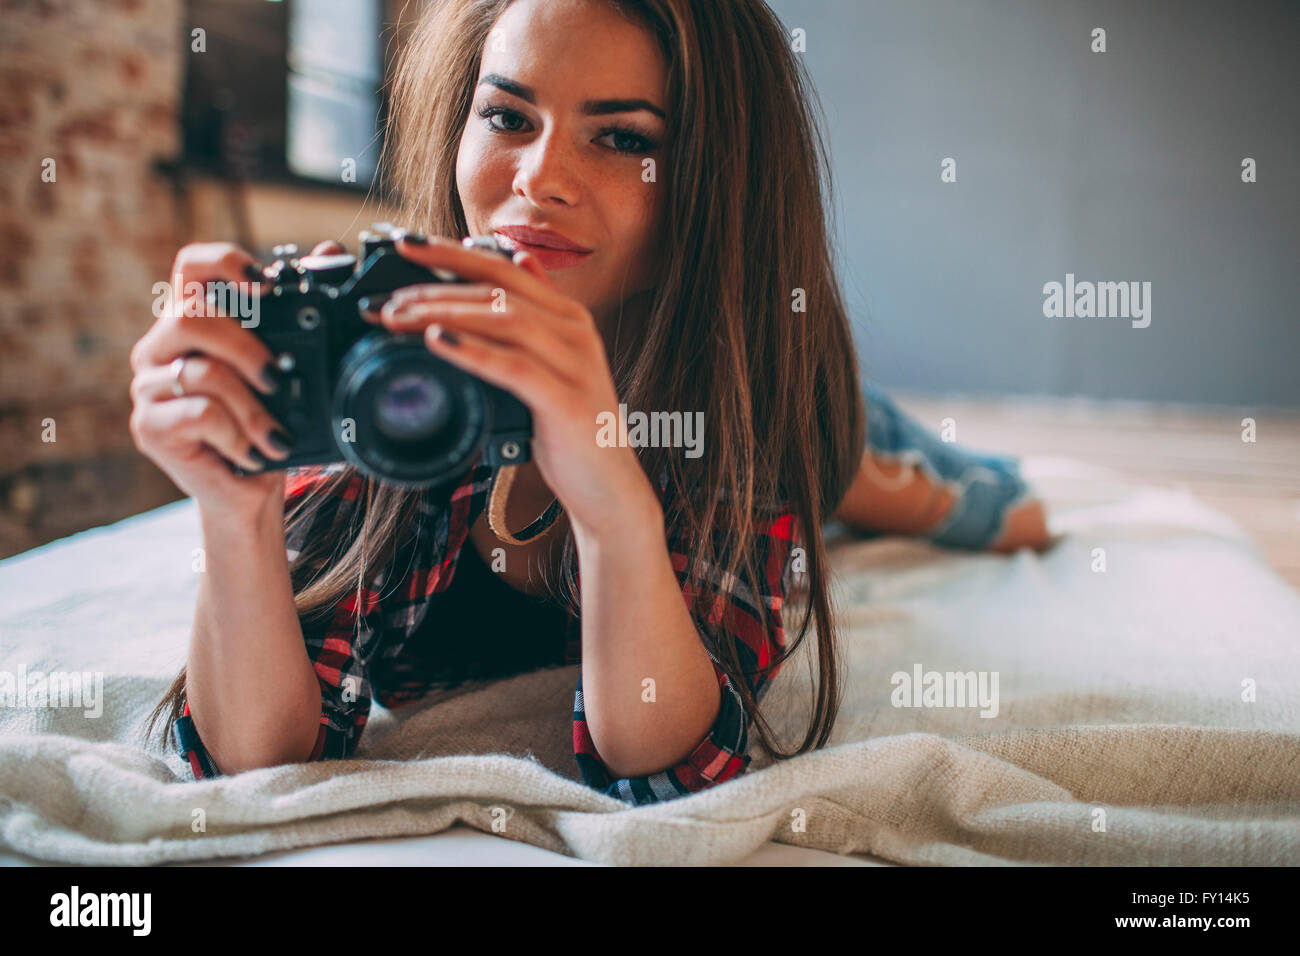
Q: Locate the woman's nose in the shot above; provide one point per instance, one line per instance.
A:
(547, 172)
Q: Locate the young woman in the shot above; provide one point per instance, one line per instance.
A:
(657, 168)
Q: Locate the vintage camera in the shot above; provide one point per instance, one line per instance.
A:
(355, 392)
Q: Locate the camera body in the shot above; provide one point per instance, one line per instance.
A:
(359, 393)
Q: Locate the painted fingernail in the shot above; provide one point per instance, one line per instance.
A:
(416, 239)
(257, 456)
(272, 377)
(451, 338)
(281, 440)
(254, 272)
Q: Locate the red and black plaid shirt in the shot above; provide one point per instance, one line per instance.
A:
(352, 662)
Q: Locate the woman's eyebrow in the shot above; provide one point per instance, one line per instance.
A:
(590, 107)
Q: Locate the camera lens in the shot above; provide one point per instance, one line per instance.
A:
(412, 407)
(404, 415)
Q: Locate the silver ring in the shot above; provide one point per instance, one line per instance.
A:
(178, 366)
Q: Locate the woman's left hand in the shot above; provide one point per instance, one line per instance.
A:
(509, 325)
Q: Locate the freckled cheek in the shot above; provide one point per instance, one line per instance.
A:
(640, 224)
(484, 177)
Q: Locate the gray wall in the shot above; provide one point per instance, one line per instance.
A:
(1123, 165)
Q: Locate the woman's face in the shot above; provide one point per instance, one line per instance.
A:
(568, 109)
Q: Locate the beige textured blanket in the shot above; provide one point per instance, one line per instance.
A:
(1148, 713)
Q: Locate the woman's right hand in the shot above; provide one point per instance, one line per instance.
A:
(194, 437)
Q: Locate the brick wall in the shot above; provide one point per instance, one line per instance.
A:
(95, 86)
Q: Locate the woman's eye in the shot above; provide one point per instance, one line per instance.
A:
(618, 139)
(626, 141)
(509, 117)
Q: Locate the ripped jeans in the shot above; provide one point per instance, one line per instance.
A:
(985, 487)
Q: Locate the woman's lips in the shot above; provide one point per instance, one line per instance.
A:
(550, 257)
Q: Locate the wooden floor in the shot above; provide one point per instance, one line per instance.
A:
(1199, 448)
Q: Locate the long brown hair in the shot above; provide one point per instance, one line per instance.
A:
(747, 241)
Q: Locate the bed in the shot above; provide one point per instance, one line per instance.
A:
(1147, 711)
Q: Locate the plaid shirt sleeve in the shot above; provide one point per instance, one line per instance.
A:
(331, 638)
(723, 753)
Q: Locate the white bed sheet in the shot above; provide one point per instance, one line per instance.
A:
(464, 846)
(1120, 691)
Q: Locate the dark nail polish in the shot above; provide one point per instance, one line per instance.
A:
(451, 338)
(254, 272)
(257, 456)
(416, 238)
(272, 376)
(281, 439)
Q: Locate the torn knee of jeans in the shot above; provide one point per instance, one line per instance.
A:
(978, 513)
